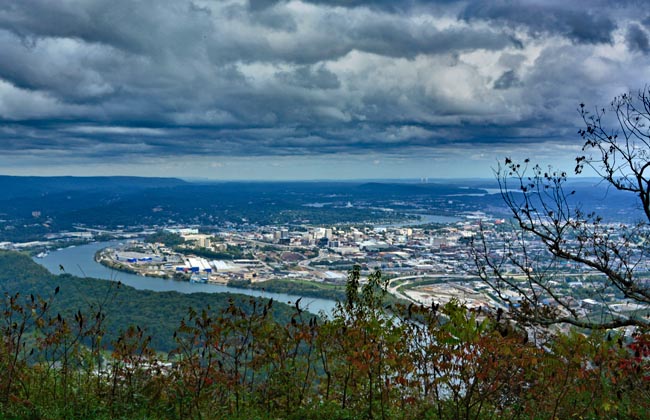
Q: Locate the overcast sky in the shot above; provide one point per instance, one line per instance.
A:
(312, 89)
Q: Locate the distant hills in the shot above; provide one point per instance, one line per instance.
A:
(29, 186)
(31, 207)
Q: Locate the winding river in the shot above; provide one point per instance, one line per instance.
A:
(80, 261)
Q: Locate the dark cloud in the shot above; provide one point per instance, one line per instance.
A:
(387, 5)
(117, 23)
(262, 4)
(376, 4)
(637, 39)
(161, 78)
(507, 80)
(307, 77)
(277, 20)
(579, 24)
(646, 22)
(392, 38)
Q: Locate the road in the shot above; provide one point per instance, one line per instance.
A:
(392, 288)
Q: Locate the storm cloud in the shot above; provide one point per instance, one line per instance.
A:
(84, 80)
(637, 39)
(572, 20)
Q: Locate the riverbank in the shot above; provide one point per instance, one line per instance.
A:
(158, 313)
(80, 261)
(298, 287)
(295, 287)
(101, 258)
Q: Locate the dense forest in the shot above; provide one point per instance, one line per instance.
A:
(104, 358)
(157, 313)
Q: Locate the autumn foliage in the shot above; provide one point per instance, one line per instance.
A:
(364, 361)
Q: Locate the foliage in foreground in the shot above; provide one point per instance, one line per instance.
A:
(363, 362)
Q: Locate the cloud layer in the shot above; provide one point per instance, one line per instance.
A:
(84, 80)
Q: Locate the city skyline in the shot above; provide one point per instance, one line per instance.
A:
(312, 89)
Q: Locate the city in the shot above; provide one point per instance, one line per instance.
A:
(426, 263)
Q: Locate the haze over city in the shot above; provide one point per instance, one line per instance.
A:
(266, 89)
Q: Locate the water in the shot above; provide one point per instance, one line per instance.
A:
(80, 261)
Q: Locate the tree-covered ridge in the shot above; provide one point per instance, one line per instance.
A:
(241, 360)
(157, 313)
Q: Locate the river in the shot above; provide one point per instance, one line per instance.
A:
(80, 261)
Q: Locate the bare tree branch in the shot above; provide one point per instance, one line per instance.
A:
(523, 265)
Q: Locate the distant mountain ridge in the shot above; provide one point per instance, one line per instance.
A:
(27, 186)
(31, 207)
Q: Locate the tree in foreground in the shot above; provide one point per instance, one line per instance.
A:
(528, 266)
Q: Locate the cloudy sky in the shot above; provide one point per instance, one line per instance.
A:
(311, 89)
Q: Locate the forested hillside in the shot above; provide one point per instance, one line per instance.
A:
(157, 313)
(245, 359)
